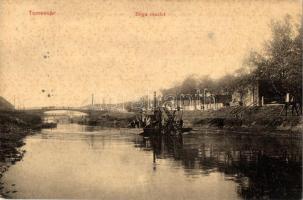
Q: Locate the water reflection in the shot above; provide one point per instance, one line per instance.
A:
(263, 167)
(90, 162)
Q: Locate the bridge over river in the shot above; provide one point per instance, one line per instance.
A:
(86, 110)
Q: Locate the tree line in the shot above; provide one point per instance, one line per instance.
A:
(279, 63)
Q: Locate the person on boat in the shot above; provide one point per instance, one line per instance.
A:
(178, 117)
(137, 122)
(286, 103)
(158, 118)
(294, 105)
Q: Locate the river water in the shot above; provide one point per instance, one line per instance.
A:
(77, 161)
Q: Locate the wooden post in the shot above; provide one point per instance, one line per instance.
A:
(195, 102)
(155, 100)
(204, 99)
(199, 100)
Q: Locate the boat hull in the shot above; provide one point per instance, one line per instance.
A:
(49, 125)
(154, 131)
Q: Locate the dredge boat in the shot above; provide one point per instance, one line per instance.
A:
(164, 122)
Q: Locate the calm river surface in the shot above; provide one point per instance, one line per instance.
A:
(76, 161)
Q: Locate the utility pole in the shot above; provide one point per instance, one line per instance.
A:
(199, 100)
(92, 99)
(148, 102)
(14, 102)
(204, 98)
(155, 100)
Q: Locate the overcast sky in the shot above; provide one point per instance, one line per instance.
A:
(101, 47)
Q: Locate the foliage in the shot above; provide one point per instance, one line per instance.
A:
(279, 62)
(282, 58)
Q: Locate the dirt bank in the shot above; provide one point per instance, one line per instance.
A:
(14, 126)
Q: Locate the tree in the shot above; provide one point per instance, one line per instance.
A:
(242, 81)
(281, 61)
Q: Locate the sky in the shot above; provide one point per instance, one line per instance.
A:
(104, 48)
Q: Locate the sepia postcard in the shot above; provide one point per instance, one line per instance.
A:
(151, 99)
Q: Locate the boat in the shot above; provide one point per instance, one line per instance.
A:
(172, 125)
(163, 121)
(153, 131)
(187, 129)
(48, 123)
(149, 131)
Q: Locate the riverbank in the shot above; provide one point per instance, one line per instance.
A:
(109, 119)
(14, 126)
(266, 118)
(247, 119)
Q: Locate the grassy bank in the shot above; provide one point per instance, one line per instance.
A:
(14, 126)
(244, 118)
(266, 118)
(12, 120)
